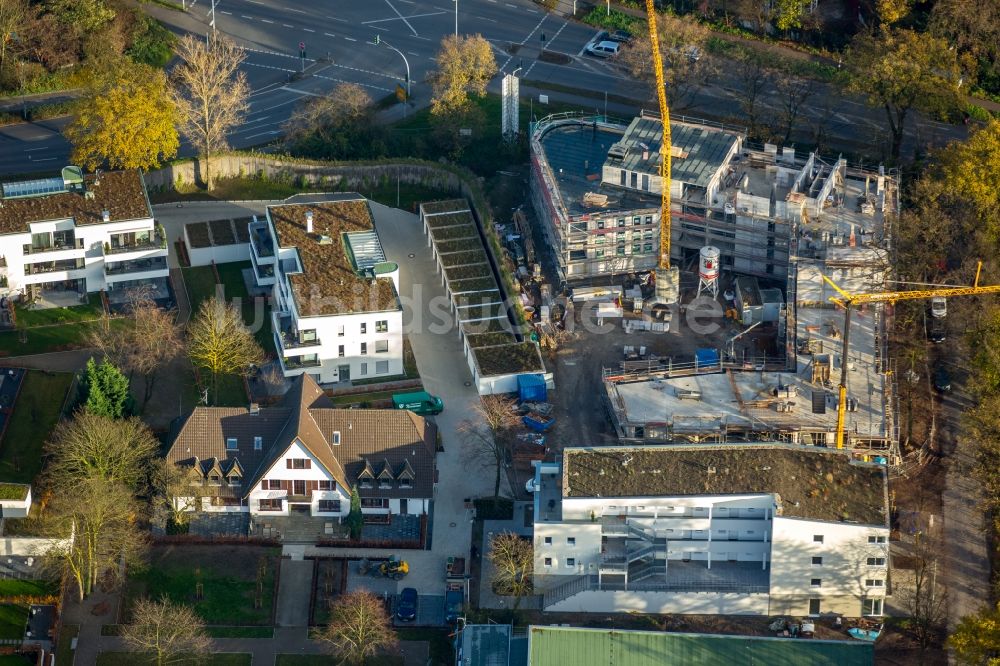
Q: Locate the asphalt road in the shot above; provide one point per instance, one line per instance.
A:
(340, 46)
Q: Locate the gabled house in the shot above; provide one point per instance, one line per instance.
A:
(303, 455)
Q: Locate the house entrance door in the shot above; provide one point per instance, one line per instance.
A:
(298, 487)
(344, 373)
(402, 505)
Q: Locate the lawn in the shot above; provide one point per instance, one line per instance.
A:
(133, 659)
(12, 587)
(93, 309)
(15, 660)
(257, 317)
(442, 652)
(35, 414)
(64, 648)
(200, 282)
(228, 576)
(12, 621)
(46, 339)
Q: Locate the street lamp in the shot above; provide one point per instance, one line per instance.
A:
(213, 18)
(378, 41)
(456, 18)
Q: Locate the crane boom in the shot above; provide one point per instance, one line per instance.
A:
(661, 97)
(848, 301)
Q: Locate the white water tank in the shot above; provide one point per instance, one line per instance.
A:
(708, 265)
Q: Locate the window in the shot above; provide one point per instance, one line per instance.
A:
(623, 178)
(381, 367)
(309, 336)
(816, 582)
(547, 541)
(340, 331)
(570, 541)
(636, 220)
(374, 503)
(645, 182)
(381, 346)
(814, 606)
(235, 481)
(874, 582)
(817, 538)
(340, 351)
(214, 480)
(405, 483)
(364, 348)
(324, 485)
(817, 561)
(871, 607)
(336, 437)
(876, 561)
(620, 251)
(647, 248)
(270, 484)
(230, 443)
(634, 180)
(599, 253)
(298, 463)
(548, 560)
(570, 562)
(332, 506)
(636, 248)
(600, 224)
(621, 222)
(649, 219)
(382, 326)
(270, 504)
(876, 539)
(258, 443)
(364, 328)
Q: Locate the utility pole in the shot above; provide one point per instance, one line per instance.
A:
(302, 57)
(213, 18)
(456, 17)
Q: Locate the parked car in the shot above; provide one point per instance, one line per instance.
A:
(942, 379)
(605, 49)
(937, 330)
(622, 36)
(939, 306)
(406, 606)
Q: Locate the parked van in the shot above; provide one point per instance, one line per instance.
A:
(418, 402)
(605, 49)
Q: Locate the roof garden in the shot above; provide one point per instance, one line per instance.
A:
(809, 483)
(447, 206)
(121, 193)
(331, 282)
(17, 492)
(508, 359)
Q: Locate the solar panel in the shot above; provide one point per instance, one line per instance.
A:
(33, 188)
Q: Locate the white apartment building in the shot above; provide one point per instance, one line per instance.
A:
(64, 237)
(337, 314)
(755, 529)
(303, 456)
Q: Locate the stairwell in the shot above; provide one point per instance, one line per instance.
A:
(571, 587)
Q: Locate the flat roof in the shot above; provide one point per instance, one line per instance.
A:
(554, 646)
(485, 645)
(809, 482)
(329, 283)
(121, 193)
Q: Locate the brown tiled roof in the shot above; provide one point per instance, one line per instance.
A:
(121, 193)
(396, 438)
(328, 283)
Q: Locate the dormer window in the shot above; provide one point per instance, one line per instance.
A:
(336, 438)
(405, 483)
(235, 481)
(366, 483)
(231, 444)
(385, 476)
(214, 480)
(258, 443)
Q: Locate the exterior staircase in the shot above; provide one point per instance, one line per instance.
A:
(571, 587)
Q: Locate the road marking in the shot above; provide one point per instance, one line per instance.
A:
(366, 85)
(222, 11)
(28, 150)
(412, 29)
(378, 27)
(329, 34)
(280, 69)
(266, 21)
(256, 2)
(557, 34)
(408, 17)
(271, 133)
(483, 18)
(276, 106)
(301, 92)
(296, 10)
(246, 17)
(286, 25)
(350, 39)
(274, 53)
(426, 39)
(334, 18)
(43, 159)
(308, 29)
(412, 53)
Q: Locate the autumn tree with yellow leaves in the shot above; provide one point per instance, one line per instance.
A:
(465, 66)
(126, 123)
(220, 342)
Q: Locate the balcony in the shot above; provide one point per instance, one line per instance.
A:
(54, 266)
(261, 241)
(136, 242)
(57, 242)
(135, 266)
(288, 337)
(300, 362)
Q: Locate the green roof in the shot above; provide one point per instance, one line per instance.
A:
(552, 646)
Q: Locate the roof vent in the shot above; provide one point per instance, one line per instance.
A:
(309, 221)
(324, 239)
(255, 408)
(106, 216)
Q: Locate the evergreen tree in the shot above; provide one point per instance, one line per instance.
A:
(107, 390)
(354, 519)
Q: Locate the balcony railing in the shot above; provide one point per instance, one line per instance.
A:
(296, 363)
(54, 266)
(153, 242)
(75, 244)
(135, 266)
(288, 336)
(260, 237)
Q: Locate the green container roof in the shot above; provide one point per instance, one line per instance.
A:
(552, 646)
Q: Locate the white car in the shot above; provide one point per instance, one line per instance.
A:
(939, 306)
(605, 49)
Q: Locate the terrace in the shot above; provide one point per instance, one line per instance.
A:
(289, 336)
(260, 240)
(135, 266)
(136, 241)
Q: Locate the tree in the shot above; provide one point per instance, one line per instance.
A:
(793, 92)
(486, 435)
(107, 390)
(126, 122)
(465, 66)
(336, 126)
(892, 11)
(171, 633)
(220, 343)
(210, 93)
(146, 347)
(173, 491)
(901, 70)
(83, 16)
(976, 640)
(101, 517)
(682, 40)
(970, 169)
(95, 446)
(513, 560)
(359, 628)
(787, 14)
(13, 16)
(354, 519)
(925, 602)
(754, 79)
(974, 28)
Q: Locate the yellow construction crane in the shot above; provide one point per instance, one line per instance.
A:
(661, 97)
(848, 301)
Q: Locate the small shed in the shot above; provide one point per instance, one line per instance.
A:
(531, 388)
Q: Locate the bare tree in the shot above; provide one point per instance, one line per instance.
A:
(174, 490)
(754, 79)
(171, 633)
(921, 597)
(485, 437)
(210, 93)
(101, 518)
(513, 560)
(359, 628)
(220, 342)
(793, 92)
(333, 125)
(93, 446)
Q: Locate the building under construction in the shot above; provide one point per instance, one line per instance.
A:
(596, 190)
